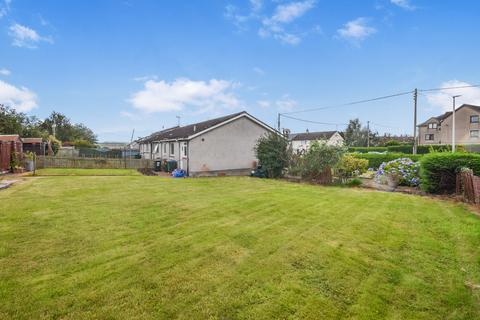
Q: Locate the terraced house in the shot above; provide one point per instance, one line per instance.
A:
(218, 146)
(438, 130)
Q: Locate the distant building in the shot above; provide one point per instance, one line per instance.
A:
(112, 145)
(34, 145)
(438, 130)
(300, 142)
(221, 146)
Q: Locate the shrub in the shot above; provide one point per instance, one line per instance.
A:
(351, 166)
(273, 153)
(81, 143)
(55, 144)
(392, 143)
(438, 170)
(367, 149)
(376, 159)
(408, 148)
(403, 170)
(319, 159)
(355, 182)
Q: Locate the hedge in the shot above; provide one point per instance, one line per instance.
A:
(405, 148)
(376, 159)
(438, 170)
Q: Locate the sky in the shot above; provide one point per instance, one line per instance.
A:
(124, 65)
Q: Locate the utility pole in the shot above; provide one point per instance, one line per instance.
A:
(278, 122)
(415, 98)
(368, 134)
(453, 123)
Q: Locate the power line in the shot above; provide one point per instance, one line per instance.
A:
(315, 122)
(349, 103)
(450, 88)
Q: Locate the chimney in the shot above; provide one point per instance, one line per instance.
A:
(307, 131)
(194, 128)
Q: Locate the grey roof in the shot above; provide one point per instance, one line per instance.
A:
(189, 130)
(444, 116)
(323, 135)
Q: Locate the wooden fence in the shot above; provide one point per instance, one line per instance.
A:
(6, 150)
(468, 185)
(93, 163)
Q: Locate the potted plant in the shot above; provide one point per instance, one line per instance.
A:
(29, 163)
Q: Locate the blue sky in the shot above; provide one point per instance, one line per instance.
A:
(119, 65)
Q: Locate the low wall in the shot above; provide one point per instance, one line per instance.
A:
(92, 163)
(220, 173)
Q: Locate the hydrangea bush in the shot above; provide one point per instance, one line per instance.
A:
(404, 170)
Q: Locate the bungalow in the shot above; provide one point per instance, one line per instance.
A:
(300, 142)
(221, 146)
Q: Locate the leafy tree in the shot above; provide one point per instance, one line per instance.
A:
(65, 130)
(273, 153)
(357, 136)
(320, 159)
(13, 122)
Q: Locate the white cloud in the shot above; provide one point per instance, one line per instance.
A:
(256, 5)
(259, 71)
(5, 72)
(405, 4)
(356, 30)
(26, 37)
(21, 99)
(145, 78)
(264, 103)
(443, 99)
(286, 103)
(284, 14)
(163, 96)
(4, 8)
(273, 25)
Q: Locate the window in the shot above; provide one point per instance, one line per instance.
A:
(184, 149)
(474, 133)
(157, 146)
(474, 119)
(429, 137)
(432, 125)
(165, 148)
(172, 148)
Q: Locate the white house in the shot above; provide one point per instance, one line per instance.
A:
(300, 142)
(221, 146)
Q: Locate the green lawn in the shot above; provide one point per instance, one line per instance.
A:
(86, 172)
(232, 248)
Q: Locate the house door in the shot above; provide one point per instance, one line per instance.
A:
(183, 156)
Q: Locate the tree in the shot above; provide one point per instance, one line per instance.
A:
(273, 153)
(65, 130)
(357, 136)
(13, 122)
(320, 159)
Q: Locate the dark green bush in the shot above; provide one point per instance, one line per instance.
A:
(438, 170)
(407, 148)
(355, 182)
(273, 153)
(376, 159)
(365, 149)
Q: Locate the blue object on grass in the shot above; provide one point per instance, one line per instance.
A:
(178, 173)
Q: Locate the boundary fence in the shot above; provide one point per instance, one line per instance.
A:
(93, 163)
(468, 185)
